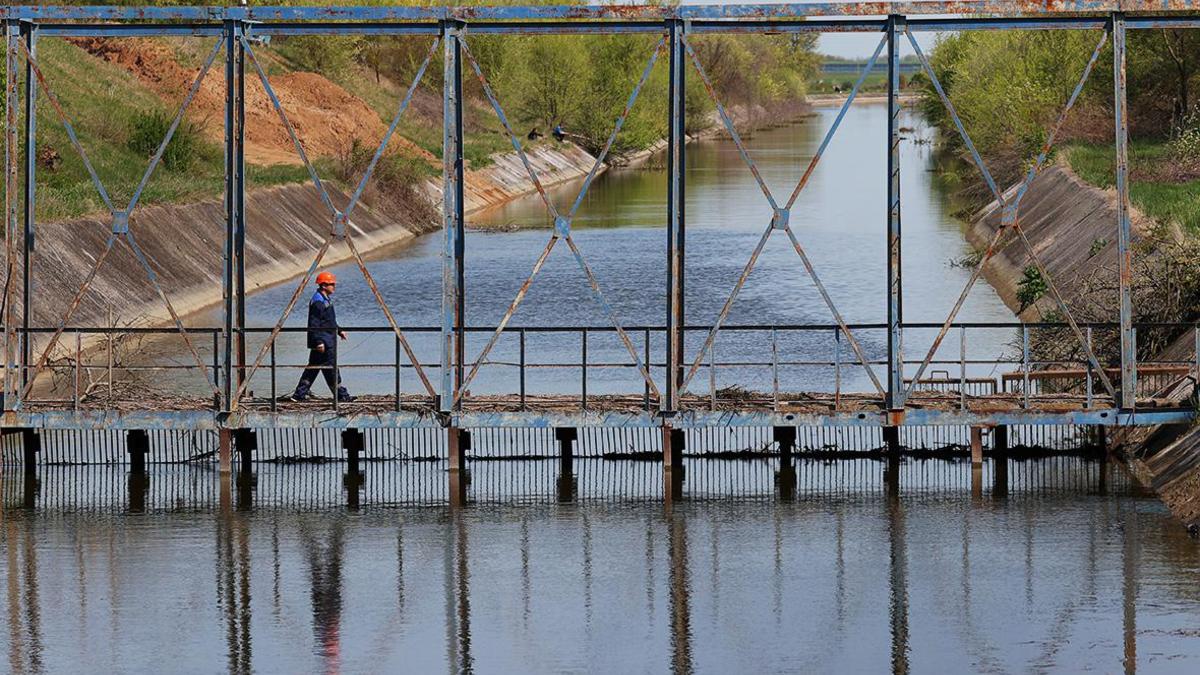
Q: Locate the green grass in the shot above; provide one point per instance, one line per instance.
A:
(1164, 202)
(103, 101)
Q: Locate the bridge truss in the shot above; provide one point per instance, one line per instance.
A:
(902, 391)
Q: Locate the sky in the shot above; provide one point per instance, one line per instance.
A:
(848, 45)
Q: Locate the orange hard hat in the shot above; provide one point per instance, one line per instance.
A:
(326, 278)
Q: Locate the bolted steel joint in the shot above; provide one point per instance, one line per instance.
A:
(120, 222)
(339, 225)
(779, 220)
(562, 226)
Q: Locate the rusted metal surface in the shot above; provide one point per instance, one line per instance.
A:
(600, 13)
(1010, 206)
(562, 223)
(1011, 216)
(899, 400)
(779, 220)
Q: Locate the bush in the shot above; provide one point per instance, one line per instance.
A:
(1031, 287)
(148, 129)
(1186, 142)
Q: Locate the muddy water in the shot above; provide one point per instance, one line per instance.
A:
(840, 218)
(1065, 574)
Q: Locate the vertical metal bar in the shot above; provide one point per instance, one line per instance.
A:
(230, 214)
(111, 325)
(521, 336)
(837, 369)
(1089, 369)
(239, 193)
(274, 394)
(216, 365)
(1196, 351)
(646, 388)
(78, 365)
(962, 367)
(1124, 252)
(452, 208)
(676, 94)
(895, 314)
(583, 361)
(399, 388)
(30, 32)
(1025, 363)
(1132, 401)
(775, 367)
(712, 372)
(11, 383)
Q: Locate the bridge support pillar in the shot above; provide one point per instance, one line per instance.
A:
(31, 445)
(458, 442)
(891, 475)
(137, 444)
(891, 440)
(673, 474)
(566, 437)
(785, 479)
(976, 447)
(225, 451)
(245, 441)
(353, 443)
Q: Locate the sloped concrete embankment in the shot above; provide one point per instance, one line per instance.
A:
(1072, 227)
(285, 228)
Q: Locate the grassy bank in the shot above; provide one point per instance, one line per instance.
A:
(1166, 201)
(113, 115)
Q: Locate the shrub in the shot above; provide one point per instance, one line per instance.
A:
(1031, 287)
(148, 129)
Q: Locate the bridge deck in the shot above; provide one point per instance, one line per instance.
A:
(746, 409)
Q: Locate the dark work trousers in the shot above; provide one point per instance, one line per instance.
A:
(322, 363)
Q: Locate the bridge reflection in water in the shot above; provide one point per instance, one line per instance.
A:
(932, 576)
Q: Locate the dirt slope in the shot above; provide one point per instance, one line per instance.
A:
(326, 117)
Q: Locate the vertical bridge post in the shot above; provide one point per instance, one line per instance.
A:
(1124, 253)
(895, 315)
(12, 385)
(676, 93)
(26, 355)
(453, 280)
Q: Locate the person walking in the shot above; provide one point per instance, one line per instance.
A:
(322, 343)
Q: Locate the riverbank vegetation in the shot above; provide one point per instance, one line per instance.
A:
(120, 92)
(1009, 87)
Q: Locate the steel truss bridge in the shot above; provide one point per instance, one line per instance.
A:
(671, 369)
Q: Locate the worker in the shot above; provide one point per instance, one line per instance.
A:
(322, 346)
(559, 134)
(533, 134)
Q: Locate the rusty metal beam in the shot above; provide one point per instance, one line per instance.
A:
(1124, 251)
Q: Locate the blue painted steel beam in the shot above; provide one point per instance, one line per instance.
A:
(207, 420)
(1124, 250)
(599, 12)
(31, 33)
(895, 300)
(130, 30)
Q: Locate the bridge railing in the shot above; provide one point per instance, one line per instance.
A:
(570, 368)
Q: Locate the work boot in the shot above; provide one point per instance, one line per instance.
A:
(344, 396)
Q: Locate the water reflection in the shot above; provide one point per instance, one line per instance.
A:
(717, 586)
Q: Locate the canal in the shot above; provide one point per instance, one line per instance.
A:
(1071, 568)
(840, 218)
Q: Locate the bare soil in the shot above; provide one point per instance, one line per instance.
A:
(326, 117)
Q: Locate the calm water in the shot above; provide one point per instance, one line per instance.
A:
(1069, 572)
(840, 218)
(1057, 577)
